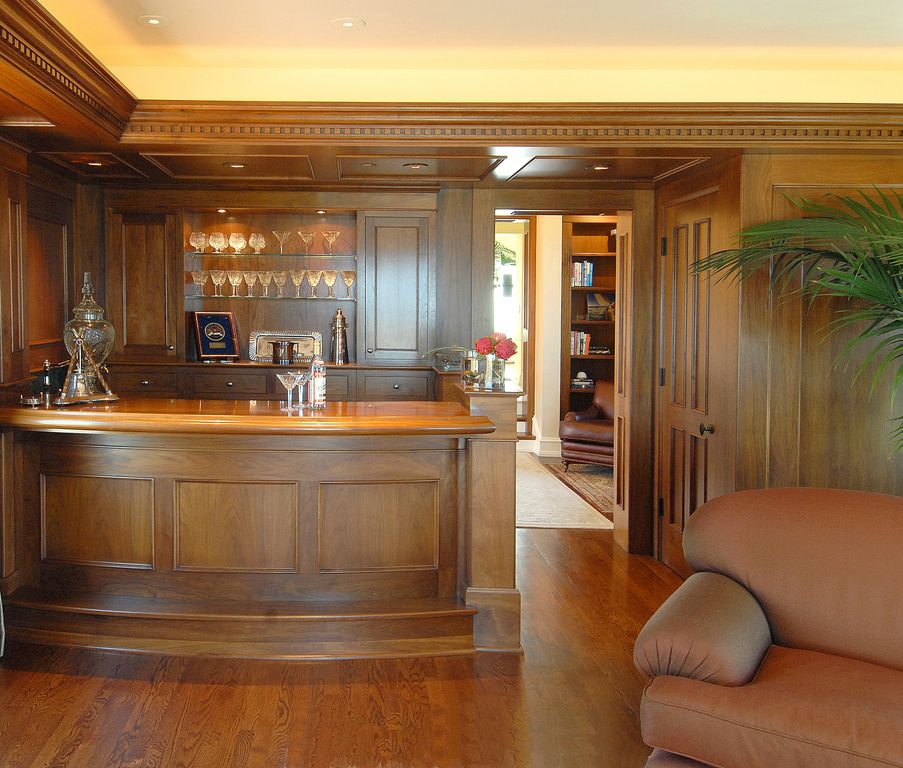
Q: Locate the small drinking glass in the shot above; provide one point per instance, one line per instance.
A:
(307, 238)
(199, 278)
(257, 242)
(250, 280)
(279, 278)
(289, 380)
(329, 237)
(198, 241)
(281, 238)
(298, 280)
(219, 279)
(217, 242)
(313, 280)
(329, 276)
(348, 276)
(234, 276)
(237, 242)
(265, 279)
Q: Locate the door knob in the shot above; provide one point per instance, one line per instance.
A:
(703, 428)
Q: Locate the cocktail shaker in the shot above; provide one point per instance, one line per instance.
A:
(339, 347)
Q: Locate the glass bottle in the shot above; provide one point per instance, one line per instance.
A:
(316, 389)
(88, 320)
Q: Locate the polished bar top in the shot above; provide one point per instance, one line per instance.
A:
(249, 417)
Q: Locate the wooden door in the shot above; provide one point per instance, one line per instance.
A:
(398, 287)
(143, 296)
(698, 392)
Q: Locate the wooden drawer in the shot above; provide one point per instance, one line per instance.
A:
(146, 383)
(228, 385)
(403, 385)
(341, 385)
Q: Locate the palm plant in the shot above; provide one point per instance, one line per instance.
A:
(852, 250)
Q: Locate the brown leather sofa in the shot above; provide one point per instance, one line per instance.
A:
(587, 437)
(785, 648)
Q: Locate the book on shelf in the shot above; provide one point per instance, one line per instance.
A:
(580, 341)
(581, 274)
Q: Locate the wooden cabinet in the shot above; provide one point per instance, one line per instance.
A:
(228, 385)
(142, 298)
(387, 384)
(144, 381)
(399, 306)
(589, 303)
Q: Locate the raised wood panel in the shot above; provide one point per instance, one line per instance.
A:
(397, 528)
(223, 526)
(48, 276)
(102, 521)
(453, 268)
(13, 307)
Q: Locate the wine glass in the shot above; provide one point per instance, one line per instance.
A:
(329, 276)
(250, 279)
(281, 238)
(348, 276)
(257, 242)
(279, 278)
(217, 242)
(313, 280)
(199, 278)
(234, 276)
(237, 242)
(307, 238)
(219, 279)
(198, 241)
(329, 237)
(289, 380)
(298, 280)
(265, 279)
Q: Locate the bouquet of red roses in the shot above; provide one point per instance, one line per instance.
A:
(497, 344)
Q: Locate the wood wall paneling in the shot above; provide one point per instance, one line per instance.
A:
(397, 528)
(13, 306)
(482, 263)
(454, 267)
(223, 526)
(101, 521)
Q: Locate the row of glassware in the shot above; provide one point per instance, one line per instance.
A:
(237, 242)
(280, 277)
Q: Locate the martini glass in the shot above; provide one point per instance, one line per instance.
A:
(198, 241)
(348, 276)
(329, 237)
(307, 238)
(234, 276)
(303, 378)
(217, 242)
(298, 280)
(329, 276)
(250, 280)
(313, 280)
(257, 242)
(199, 278)
(265, 279)
(237, 242)
(281, 238)
(289, 380)
(219, 279)
(279, 278)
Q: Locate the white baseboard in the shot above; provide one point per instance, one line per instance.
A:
(549, 448)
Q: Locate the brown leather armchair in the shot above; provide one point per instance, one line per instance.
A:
(587, 437)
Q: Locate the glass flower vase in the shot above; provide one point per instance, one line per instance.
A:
(494, 373)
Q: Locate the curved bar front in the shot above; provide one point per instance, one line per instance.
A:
(232, 528)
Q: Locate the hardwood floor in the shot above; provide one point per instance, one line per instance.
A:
(571, 700)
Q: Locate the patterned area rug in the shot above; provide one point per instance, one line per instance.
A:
(592, 483)
(543, 502)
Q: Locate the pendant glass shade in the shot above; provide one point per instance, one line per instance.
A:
(87, 318)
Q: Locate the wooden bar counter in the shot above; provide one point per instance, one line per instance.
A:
(231, 528)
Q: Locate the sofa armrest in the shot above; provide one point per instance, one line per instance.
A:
(588, 414)
(710, 629)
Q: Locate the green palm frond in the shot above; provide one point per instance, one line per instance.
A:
(850, 250)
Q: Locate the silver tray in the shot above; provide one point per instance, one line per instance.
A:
(307, 344)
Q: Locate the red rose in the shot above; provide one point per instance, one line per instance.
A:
(505, 348)
(484, 345)
(497, 337)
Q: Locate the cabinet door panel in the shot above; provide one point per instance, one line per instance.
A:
(398, 287)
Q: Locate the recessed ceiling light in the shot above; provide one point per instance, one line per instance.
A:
(349, 22)
(596, 167)
(152, 21)
(416, 166)
(234, 165)
(95, 163)
(220, 210)
(321, 212)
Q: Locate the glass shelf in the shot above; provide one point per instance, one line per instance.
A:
(273, 298)
(317, 256)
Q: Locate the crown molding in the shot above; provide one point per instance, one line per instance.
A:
(727, 125)
(36, 46)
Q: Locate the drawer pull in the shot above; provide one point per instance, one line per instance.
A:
(369, 350)
(170, 347)
(396, 386)
(229, 384)
(145, 383)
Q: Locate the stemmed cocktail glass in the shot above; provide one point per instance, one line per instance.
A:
(303, 379)
(281, 238)
(265, 279)
(298, 280)
(289, 380)
(307, 238)
(199, 278)
(279, 278)
(329, 237)
(348, 276)
(237, 242)
(329, 276)
(313, 280)
(234, 276)
(219, 279)
(250, 280)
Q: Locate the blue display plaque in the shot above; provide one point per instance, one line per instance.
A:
(214, 333)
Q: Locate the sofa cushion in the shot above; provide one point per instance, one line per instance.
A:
(803, 708)
(597, 431)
